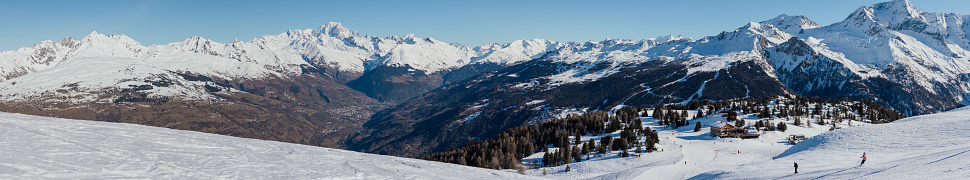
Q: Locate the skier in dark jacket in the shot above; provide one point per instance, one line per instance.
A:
(796, 167)
(863, 158)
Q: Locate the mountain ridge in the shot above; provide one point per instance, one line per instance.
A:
(914, 72)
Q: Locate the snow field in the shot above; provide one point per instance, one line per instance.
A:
(34, 147)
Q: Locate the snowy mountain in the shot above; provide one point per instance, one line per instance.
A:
(347, 55)
(52, 148)
(290, 87)
(892, 53)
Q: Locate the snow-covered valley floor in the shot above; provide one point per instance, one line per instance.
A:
(928, 146)
(33, 147)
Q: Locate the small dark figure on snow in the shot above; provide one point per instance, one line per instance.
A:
(796, 167)
(863, 158)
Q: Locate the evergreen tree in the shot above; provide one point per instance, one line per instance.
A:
(585, 149)
(577, 139)
(782, 126)
(739, 123)
(697, 126)
(577, 156)
(602, 148)
(731, 116)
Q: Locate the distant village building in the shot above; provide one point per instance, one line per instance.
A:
(730, 131)
(796, 138)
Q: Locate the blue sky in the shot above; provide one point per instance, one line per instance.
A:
(470, 23)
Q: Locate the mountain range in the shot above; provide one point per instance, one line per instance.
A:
(409, 96)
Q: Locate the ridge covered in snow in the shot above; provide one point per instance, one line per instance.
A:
(122, 62)
(925, 53)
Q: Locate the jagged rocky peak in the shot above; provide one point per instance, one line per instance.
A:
(69, 42)
(861, 17)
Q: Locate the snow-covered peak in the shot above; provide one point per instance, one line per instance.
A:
(668, 38)
(95, 37)
(897, 9)
(334, 29)
(516, 51)
(115, 45)
(863, 17)
(791, 24)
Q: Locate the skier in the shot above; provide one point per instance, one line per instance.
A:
(796, 167)
(863, 158)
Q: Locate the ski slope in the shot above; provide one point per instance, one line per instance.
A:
(33, 147)
(917, 147)
(929, 146)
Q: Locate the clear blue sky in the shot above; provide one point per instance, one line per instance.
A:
(471, 23)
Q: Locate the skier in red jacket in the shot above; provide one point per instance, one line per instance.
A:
(863, 158)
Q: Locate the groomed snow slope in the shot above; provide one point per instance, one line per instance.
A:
(930, 146)
(34, 147)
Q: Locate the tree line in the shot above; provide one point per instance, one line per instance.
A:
(506, 150)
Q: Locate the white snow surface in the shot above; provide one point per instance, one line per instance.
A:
(928, 146)
(917, 147)
(36, 147)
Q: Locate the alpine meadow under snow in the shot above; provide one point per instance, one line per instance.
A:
(283, 106)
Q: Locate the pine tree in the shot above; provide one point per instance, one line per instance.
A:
(731, 116)
(545, 159)
(577, 139)
(601, 149)
(577, 156)
(782, 126)
(697, 126)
